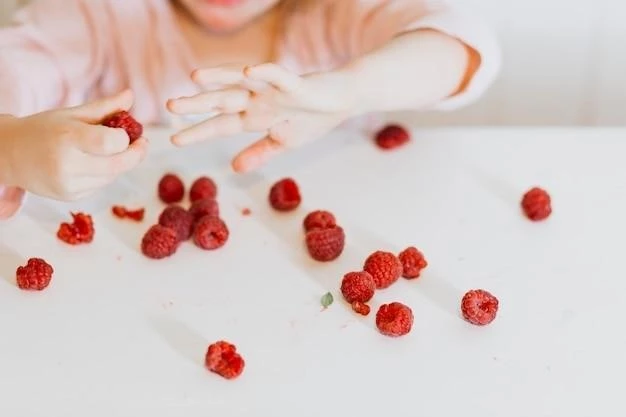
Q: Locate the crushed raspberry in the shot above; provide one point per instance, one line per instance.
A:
(126, 121)
(325, 245)
(123, 213)
(319, 219)
(479, 307)
(159, 242)
(285, 195)
(394, 319)
(537, 204)
(413, 262)
(358, 286)
(204, 207)
(177, 219)
(246, 211)
(222, 358)
(210, 233)
(171, 189)
(384, 267)
(35, 275)
(360, 308)
(392, 136)
(203, 187)
(80, 231)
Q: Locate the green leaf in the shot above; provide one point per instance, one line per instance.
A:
(327, 299)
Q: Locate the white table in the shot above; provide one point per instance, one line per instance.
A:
(117, 334)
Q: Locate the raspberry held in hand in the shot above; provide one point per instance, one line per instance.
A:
(285, 195)
(391, 137)
(204, 207)
(177, 219)
(203, 187)
(358, 286)
(413, 262)
(395, 319)
(537, 204)
(171, 189)
(126, 121)
(222, 358)
(319, 219)
(80, 231)
(325, 245)
(35, 275)
(210, 233)
(384, 267)
(479, 307)
(159, 242)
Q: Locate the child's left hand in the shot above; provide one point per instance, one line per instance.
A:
(292, 109)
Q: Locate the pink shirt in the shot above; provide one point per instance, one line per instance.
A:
(60, 53)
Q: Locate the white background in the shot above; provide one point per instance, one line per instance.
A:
(562, 60)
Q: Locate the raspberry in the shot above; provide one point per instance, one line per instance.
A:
(204, 207)
(123, 213)
(360, 308)
(358, 286)
(246, 211)
(319, 219)
(35, 275)
(384, 267)
(79, 231)
(537, 204)
(203, 187)
(177, 219)
(479, 307)
(325, 244)
(285, 195)
(222, 358)
(159, 242)
(394, 319)
(171, 189)
(210, 233)
(125, 121)
(392, 136)
(413, 262)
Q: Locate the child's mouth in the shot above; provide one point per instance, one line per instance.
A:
(225, 3)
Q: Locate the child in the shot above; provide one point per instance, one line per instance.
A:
(291, 70)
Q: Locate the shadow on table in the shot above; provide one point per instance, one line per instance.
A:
(9, 261)
(181, 338)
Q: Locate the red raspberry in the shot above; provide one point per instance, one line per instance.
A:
(319, 219)
(537, 204)
(210, 233)
(204, 207)
(413, 262)
(125, 121)
(177, 219)
(159, 242)
(285, 195)
(392, 136)
(358, 286)
(171, 189)
(360, 308)
(203, 187)
(395, 319)
(35, 275)
(325, 245)
(479, 307)
(123, 213)
(80, 231)
(384, 267)
(222, 358)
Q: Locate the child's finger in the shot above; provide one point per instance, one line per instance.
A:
(222, 75)
(257, 154)
(275, 75)
(111, 166)
(96, 111)
(218, 126)
(232, 100)
(101, 140)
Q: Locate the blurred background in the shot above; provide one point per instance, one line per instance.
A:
(562, 63)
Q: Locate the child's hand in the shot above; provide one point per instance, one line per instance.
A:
(65, 154)
(264, 98)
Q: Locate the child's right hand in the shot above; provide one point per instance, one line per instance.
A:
(65, 154)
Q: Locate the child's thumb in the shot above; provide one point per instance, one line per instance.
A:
(96, 111)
